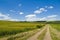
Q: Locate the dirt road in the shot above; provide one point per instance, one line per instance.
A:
(47, 35)
(34, 37)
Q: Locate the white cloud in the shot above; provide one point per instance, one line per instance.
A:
(31, 15)
(2, 16)
(43, 9)
(42, 19)
(21, 13)
(52, 16)
(50, 7)
(47, 18)
(40, 10)
(6, 17)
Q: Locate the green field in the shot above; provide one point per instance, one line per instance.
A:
(56, 26)
(9, 28)
(55, 34)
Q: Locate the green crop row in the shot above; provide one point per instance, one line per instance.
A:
(9, 28)
(56, 26)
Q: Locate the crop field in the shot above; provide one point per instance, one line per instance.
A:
(56, 26)
(55, 32)
(9, 28)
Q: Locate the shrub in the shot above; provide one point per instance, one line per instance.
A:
(38, 26)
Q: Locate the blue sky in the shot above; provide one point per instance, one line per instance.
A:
(29, 10)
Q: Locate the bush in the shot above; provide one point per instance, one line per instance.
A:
(39, 26)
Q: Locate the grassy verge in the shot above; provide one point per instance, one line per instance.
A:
(23, 36)
(56, 26)
(53, 35)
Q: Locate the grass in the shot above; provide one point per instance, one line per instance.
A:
(23, 36)
(53, 33)
(54, 36)
(10, 28)
(56, 26)
(29, 34)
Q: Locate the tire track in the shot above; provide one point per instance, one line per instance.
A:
(35, 37)
(47, 36)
